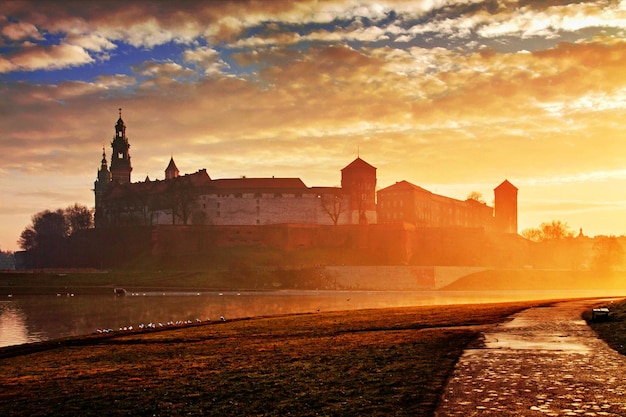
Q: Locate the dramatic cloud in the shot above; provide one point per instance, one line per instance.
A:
(454, 96)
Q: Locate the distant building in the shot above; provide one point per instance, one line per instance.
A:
(404, 202)
(197, 199)
(506, 207)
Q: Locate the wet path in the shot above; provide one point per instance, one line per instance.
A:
(545, 362)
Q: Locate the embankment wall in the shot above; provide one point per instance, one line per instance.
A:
(396, 278)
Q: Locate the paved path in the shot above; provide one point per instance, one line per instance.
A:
(545, 362)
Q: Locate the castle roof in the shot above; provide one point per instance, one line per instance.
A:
(258, 184)
(405, 186)
(506, 184)
(196, 180)
(171, 166)
(359, 163)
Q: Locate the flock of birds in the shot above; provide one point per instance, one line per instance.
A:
(151, 326)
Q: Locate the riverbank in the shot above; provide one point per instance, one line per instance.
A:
(266, 278)
(366, 362)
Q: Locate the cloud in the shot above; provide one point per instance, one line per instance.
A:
(95, 42)
(51, 57)
(117, 81)
(20, 31)
(529, 21)
(207, 58)
(445, 94)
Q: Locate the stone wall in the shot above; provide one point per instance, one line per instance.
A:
(395, 278)
(264, 209)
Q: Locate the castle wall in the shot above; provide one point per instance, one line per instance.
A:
(265, 209)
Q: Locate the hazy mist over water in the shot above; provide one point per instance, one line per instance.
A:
(25, 319)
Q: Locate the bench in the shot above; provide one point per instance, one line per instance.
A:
(601, 313)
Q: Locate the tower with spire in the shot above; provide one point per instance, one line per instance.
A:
(172, 170)
(120, 158)
(99, 187)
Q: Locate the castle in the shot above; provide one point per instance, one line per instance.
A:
(197, 199)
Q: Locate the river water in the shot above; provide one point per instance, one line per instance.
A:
(26, 319)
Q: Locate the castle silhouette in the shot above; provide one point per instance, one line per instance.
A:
(197, 199)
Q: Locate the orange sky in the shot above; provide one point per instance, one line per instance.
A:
(452, 96)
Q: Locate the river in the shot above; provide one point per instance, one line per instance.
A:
(26, 319)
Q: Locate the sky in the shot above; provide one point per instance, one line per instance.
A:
(453, 96)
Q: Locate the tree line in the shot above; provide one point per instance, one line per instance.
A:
(48, 228)
(607, 251)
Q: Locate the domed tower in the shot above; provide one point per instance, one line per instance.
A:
(506, 207)
(99, 187)
(120, 159)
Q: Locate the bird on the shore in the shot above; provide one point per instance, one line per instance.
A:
(222, 318)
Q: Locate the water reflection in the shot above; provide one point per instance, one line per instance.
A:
(35, 318)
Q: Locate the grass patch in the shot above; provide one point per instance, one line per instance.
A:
(613, 330)
(366, 362)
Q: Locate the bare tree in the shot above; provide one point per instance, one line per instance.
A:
(180, 198)
(476, 196)
(332, 204)
(362, 188)
(533, 234)
(555, 230)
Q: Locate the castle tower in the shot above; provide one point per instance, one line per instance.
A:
(171, 171)
(99, 187)
(358, 179)
(506, 207)
(120, 159)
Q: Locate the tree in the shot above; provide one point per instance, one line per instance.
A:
(332, 204)
(533, 234)
(476, 196)
(607, 253)
(78, 217)
(555, 230)
(28, 239)
(47, 228)
(181, 198)
(7, 260)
